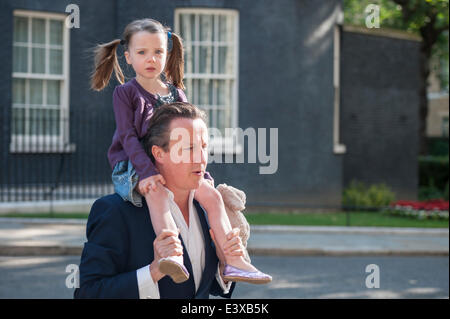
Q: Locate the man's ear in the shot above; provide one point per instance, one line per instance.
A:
(158, 153)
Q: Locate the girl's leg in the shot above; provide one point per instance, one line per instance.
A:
(161, 218)
(236, 268)
(212, 201)
(158, 206)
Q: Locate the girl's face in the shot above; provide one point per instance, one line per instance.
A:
(147, 54)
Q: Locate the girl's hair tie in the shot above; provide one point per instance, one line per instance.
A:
(122, 42)
(169, 34)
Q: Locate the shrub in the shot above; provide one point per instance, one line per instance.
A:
(359, 196)
(433, 171)
(430, 192)
(438, 146)
(446, 192)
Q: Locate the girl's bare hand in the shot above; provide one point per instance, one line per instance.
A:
(150, 183)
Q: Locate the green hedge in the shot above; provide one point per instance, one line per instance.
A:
(438, 146)
(359, 196)
(433, 172)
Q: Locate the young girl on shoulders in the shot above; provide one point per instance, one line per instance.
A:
(156, 55)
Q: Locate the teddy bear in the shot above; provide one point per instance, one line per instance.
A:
(234, 200)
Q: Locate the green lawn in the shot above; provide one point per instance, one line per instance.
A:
(340, 219)
(305, 219)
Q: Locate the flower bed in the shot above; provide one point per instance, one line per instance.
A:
(430, 209)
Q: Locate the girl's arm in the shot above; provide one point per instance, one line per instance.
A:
(127, 134)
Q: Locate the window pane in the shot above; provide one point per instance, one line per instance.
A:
(38, 64)
(36, 121)
(187, 27)
(188, 84)
(194, 92)
(206, 60)
(38, 30)
(20, 29)
(224, 93)
(53, 94)
(226, 28)
(36, 92)
(194, 59)
(192, 23)
(206, 27)
(188, 59)
(207, 117)
(18, 120)
(222, 120)
(54, 123)
(56, 32)
(206, 92)
(20, 59)
(227, 118)
(211, 118)
(44, 122)
(225, 60)
(19, 91)
(55, 61)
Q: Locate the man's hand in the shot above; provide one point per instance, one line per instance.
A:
(166, 244)
(150, 183)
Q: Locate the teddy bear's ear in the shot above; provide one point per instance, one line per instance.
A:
(231, 197)
(240, 194)
(238, 202)
(226, 193)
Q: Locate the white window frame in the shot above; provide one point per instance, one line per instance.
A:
(45, 143)
(226, 144)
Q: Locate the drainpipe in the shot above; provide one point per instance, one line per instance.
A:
(337, 147)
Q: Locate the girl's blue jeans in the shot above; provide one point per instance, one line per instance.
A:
(125, 179)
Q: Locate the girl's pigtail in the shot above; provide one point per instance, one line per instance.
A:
(175, 63)
(105, 62)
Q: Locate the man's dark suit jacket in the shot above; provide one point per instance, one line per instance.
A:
(120, 240)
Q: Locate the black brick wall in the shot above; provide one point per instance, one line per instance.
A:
(379, 112)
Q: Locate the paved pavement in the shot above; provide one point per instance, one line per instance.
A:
(37, 236)
(306, 262)
(314, 277)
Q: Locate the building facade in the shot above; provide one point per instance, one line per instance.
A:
(282, 72)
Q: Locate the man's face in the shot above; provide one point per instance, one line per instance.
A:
(184, 164)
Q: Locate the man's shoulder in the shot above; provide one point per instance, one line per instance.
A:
(110, 206)
(111, 198)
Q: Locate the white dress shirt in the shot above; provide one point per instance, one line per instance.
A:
(194, 242)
